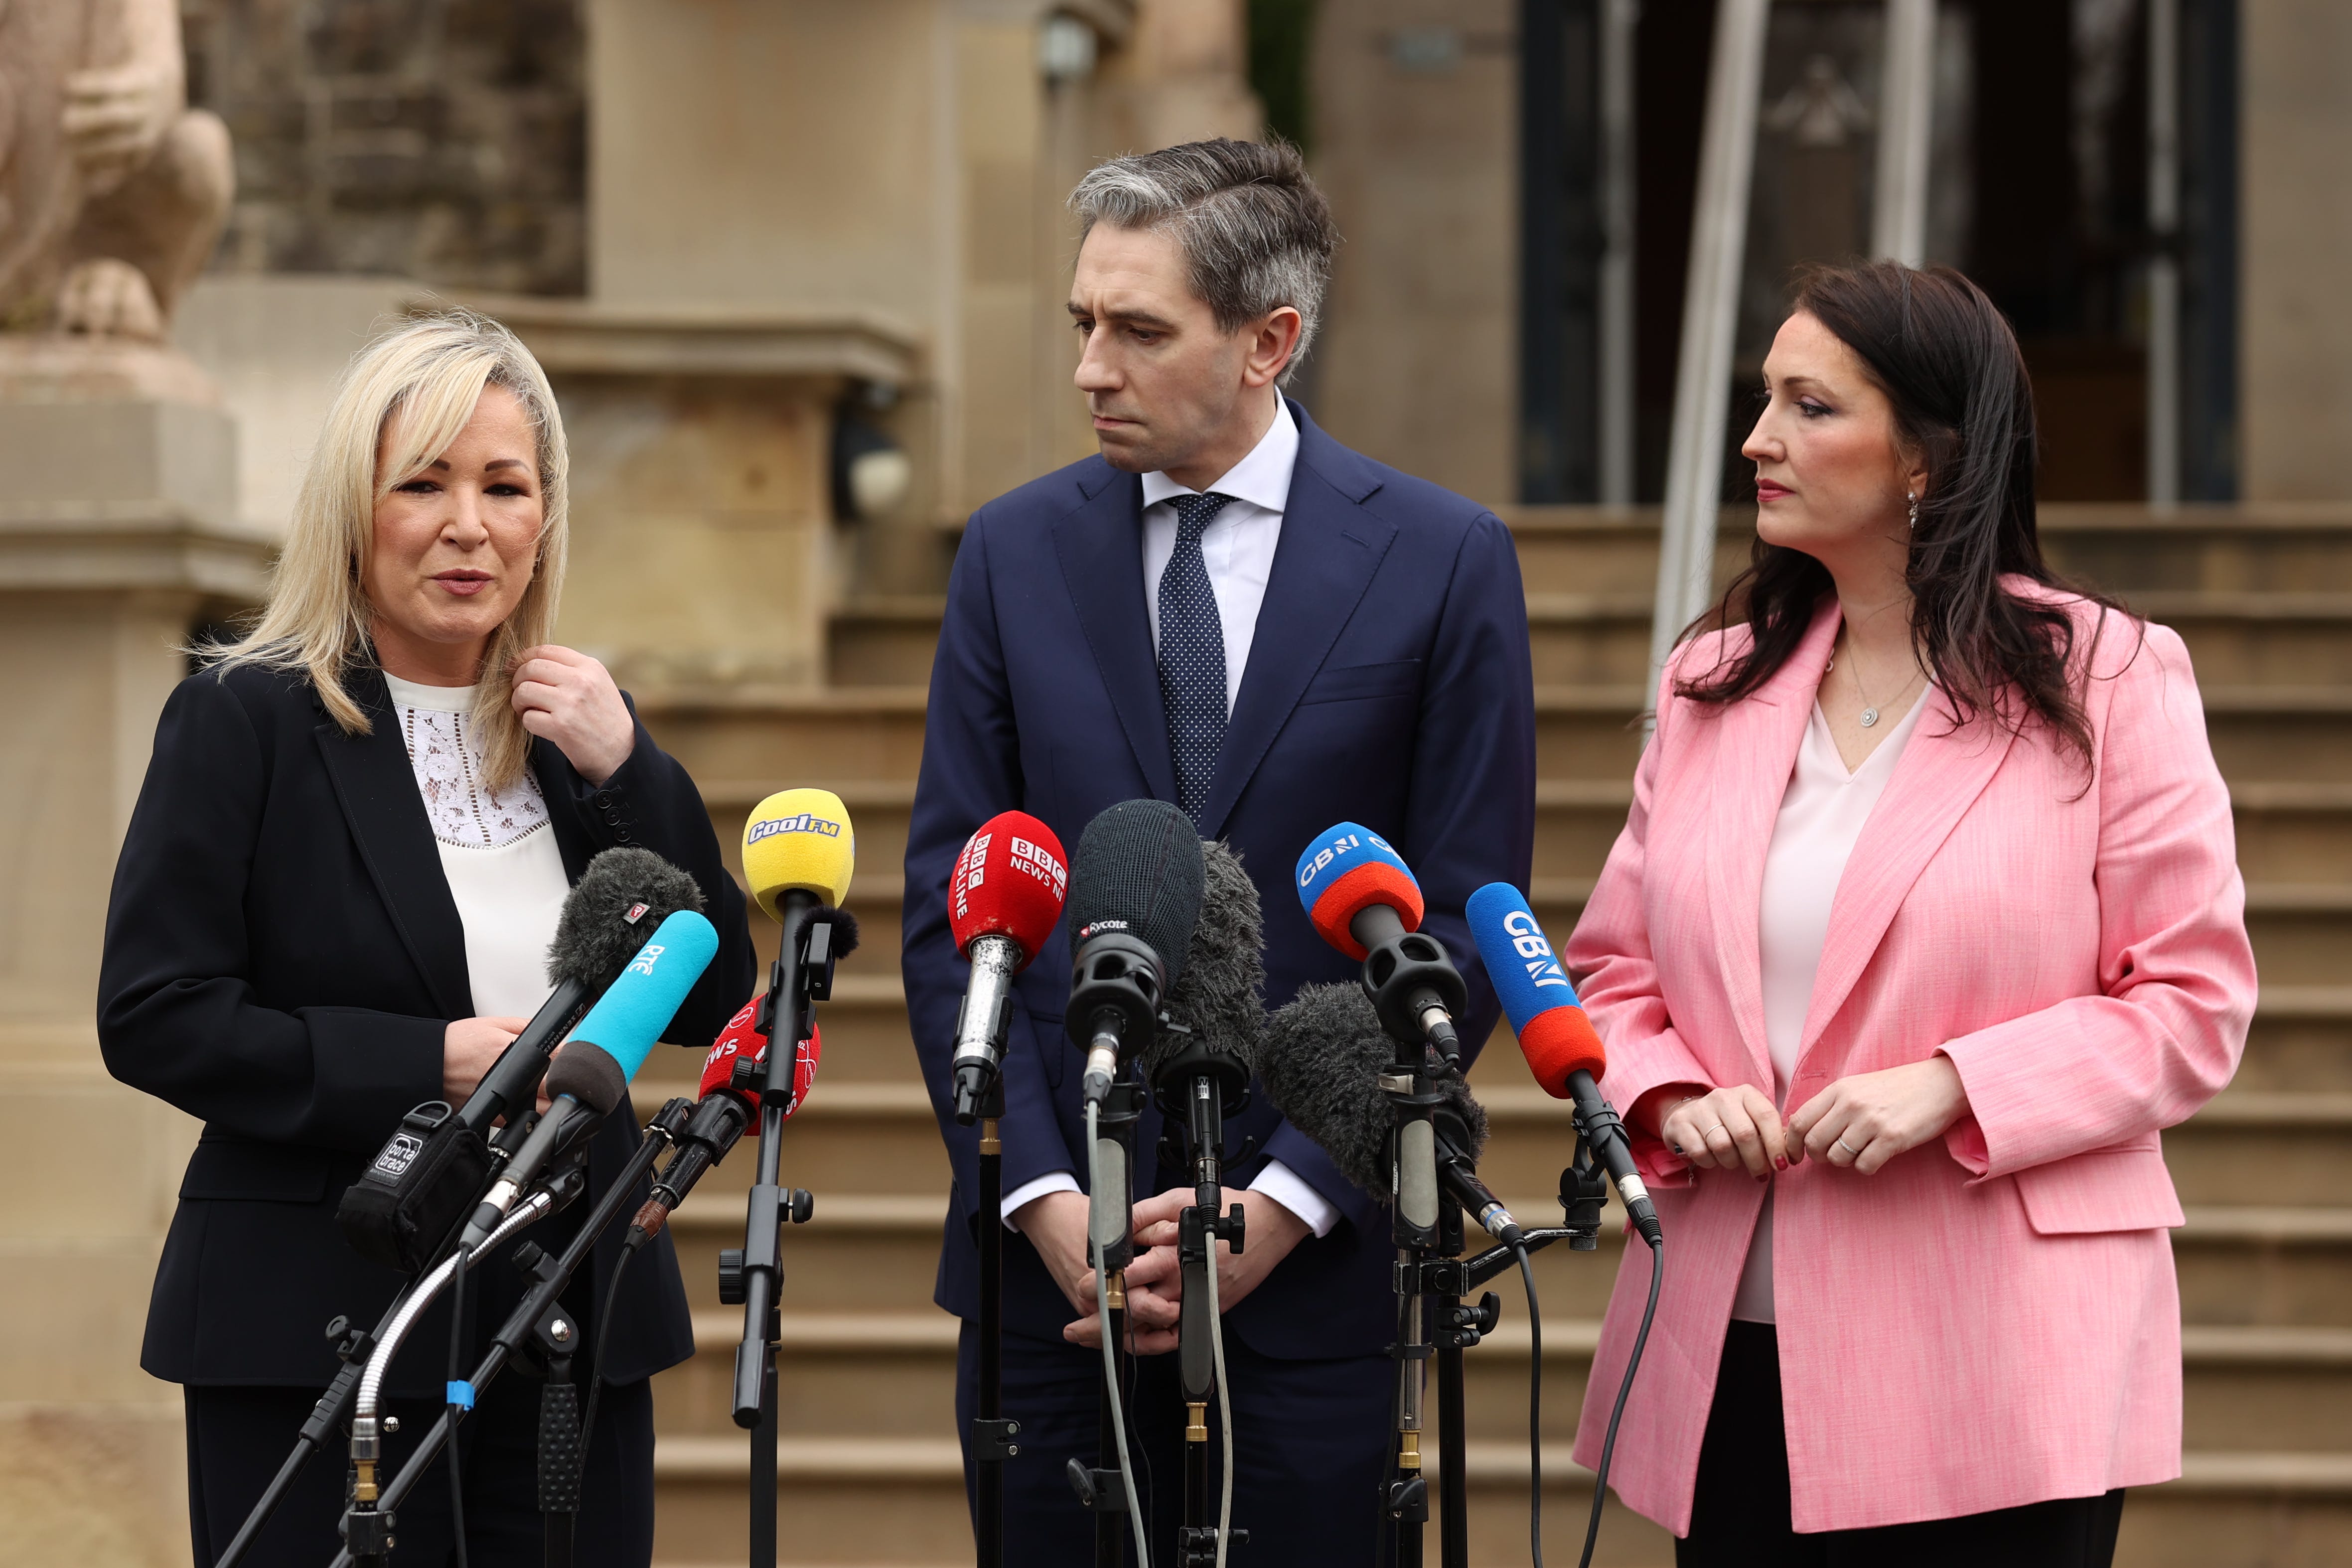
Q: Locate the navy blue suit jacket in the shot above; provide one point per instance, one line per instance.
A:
(1389, 683)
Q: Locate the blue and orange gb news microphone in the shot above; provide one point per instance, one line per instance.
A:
(1563, 1050)
(1362, 899)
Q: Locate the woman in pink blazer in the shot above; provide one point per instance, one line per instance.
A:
(1925, 923)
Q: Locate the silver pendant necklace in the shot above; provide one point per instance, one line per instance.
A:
(1869, 708)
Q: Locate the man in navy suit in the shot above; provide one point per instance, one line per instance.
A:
(1229, 611)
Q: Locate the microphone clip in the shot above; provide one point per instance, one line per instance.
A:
(1584, 1192)
(1417, 991)
(1174, 1077)
(818, 953)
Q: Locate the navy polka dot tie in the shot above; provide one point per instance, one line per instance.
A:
(1193, 654)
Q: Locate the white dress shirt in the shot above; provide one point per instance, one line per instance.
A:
(1238, 548)
(1821, 818)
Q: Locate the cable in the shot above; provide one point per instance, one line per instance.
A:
(1110, 1353)
(1144, 1480)
(456, 1371)
(1609, 1443)
(603, 1329)
(1535, 1411)
(1225, 1409)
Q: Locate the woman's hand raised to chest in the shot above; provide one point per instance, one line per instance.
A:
(565, 696)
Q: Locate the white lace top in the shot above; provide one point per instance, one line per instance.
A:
(437, 724)
(498, 851)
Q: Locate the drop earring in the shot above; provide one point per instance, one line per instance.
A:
(1913, 498)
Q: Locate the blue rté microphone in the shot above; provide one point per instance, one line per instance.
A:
(1562, 1048)
(590, 1070)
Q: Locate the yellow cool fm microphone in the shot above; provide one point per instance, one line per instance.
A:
(798, 851)
(798, 842)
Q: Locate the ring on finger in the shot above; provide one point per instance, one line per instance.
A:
(1712, 1132)
(1849, 1148)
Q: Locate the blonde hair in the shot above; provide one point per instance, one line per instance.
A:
(419, 381)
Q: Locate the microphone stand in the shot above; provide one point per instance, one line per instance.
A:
(1453, 1484)
(1417, 992)
(1459, 1326)
(511, 1081)
(1198, 1089)
(1110, 1248)
(368, 1524)
(1414, 1209)
(802, 975)
(992, 1434)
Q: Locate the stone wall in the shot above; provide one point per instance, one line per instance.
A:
(442, 141)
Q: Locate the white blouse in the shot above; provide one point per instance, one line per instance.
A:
(497, 851)
(1822, 816)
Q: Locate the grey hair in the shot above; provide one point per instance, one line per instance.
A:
(1255, 232)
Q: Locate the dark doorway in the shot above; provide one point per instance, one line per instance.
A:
(2056, 233)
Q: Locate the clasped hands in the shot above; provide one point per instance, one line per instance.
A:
(1055, 1225)
(1856, 1123)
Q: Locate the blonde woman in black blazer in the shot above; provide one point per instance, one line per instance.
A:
(286, 960)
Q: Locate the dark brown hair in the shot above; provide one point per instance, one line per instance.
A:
(1950, 365)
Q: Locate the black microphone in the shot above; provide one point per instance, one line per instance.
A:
(1135, 896)
(1321, 1063)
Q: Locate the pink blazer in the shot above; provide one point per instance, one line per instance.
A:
(1993, 1319)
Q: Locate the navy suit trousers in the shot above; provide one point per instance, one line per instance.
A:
(1310, 1444)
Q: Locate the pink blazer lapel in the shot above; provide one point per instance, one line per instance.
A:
(1939, 775)
(1756, 752)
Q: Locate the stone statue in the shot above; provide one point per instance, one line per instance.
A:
(112, 191)
(1822, 190)
(1822, 111)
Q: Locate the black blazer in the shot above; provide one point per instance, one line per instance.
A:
(281, 956)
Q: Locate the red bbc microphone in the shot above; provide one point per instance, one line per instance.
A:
(728, 1102)
(1004, 898)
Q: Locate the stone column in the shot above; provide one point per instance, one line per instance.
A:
(117, 535)
(2295, 228)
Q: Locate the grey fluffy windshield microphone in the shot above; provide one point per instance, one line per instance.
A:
(1217, 1002)
(1321, 1063)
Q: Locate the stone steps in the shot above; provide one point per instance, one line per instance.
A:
(2285, 546)
(2262, 1388)
(881, 1138)
(2288, 832)
(2302, 931)
(2273, 734)
(866, 1501)
(2235, 637)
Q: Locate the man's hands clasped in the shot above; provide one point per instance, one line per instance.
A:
(1055, 1225)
